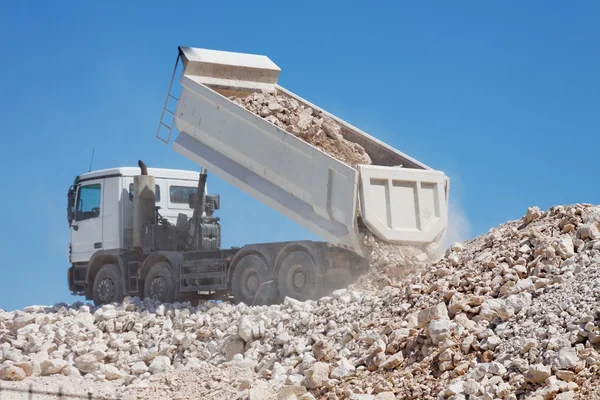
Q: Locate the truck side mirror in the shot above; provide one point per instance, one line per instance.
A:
(215, 199)
(71, 204)
(192, 199)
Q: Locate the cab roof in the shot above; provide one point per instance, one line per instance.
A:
(163, 173)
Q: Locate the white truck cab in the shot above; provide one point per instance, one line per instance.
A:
(102, 210)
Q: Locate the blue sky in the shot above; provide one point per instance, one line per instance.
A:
(502, 96)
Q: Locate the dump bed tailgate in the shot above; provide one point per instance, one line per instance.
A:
(404, 205)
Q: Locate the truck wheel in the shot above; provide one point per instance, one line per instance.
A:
(250, 282)
(108, 287)
(297, 277)
(160, 283)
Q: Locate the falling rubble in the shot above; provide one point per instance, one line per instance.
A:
(512, 314)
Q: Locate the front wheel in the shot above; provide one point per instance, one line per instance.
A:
(298, 277)
(108, 286)
(160, 283)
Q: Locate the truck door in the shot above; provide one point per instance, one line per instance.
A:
(86, 230)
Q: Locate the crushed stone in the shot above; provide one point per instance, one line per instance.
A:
(511, 314)
(307, 124)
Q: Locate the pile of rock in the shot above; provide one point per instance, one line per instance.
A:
(305, 123)
(511, 314)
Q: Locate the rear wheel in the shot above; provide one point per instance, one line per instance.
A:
(160, 283)
(251, 281)
(108, 286)
(298, 278)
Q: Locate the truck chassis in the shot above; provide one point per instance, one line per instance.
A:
(256, 274)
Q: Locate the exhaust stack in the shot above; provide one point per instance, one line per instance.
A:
(144, 208)
(199, 204)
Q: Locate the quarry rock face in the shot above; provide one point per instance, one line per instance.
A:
(512, 314)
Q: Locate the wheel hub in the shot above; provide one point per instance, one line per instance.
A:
(157, 288)
(105, 290)
(252, 283)
(299, 279)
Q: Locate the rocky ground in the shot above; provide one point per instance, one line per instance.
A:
(305, 123)
(512, 314)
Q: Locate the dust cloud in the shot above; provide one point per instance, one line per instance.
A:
(459, 227)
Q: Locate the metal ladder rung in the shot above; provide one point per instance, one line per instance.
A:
(160, 122)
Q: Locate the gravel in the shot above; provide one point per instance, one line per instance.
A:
(511, 314)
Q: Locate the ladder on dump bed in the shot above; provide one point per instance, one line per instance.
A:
(161, 122)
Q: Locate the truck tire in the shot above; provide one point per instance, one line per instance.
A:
(160, 283)
(298, 277)
(251, 282)
(108, 285)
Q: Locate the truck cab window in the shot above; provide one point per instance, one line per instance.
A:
(156, 192)
(180, 194)
(88, 202)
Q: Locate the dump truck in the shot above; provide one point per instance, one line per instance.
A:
(153, 233)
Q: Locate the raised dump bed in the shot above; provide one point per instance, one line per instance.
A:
(401, 200)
